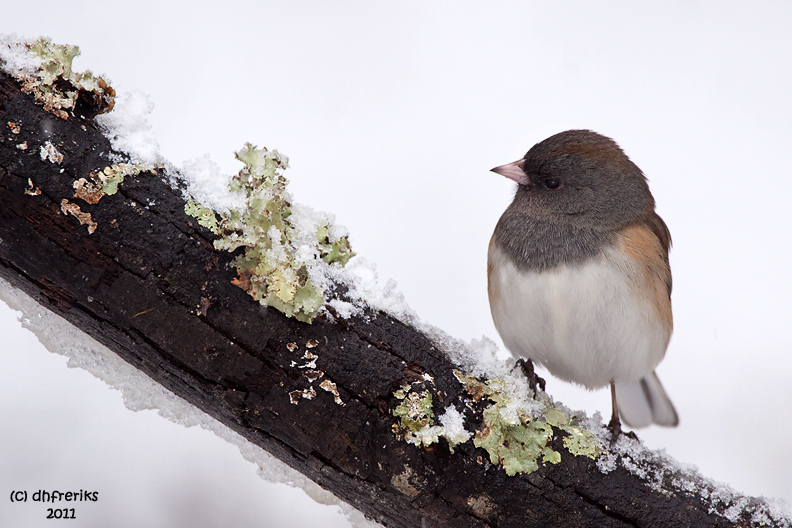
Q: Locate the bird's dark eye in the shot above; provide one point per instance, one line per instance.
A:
(551, 183)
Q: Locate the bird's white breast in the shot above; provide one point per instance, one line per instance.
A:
(587, 323)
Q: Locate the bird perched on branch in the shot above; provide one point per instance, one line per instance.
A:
(578, 273)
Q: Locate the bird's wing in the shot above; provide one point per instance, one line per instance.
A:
(660, 230)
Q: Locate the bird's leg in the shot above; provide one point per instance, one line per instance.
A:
(527, 366)
(614, 426)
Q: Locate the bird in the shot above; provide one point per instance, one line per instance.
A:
(578, 274)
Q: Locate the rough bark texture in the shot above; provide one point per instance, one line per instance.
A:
(149, 285)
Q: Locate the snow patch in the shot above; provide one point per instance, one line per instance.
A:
(206, 185)
(128, 129)
(454, 426)
(15, 55)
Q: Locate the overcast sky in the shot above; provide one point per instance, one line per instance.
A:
(392, 114)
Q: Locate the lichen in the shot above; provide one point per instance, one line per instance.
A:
(56, 59)
(333, 249)
(416, 417)
(50, 152)
(32, 190)
(88, 191)
(408, 482)
(516, 445)
(582, 442)
(415, 410)
(113, 175)
(56, 86)
(274, 266)
(104, 182)
(311, 357)
(205, 216)
(331, 387)
(518, 442)
(417, 420)
(312, 375)
(579, 441)
(74, 210)
(308, 394)
(482, 505)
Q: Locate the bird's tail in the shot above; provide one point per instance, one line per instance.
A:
(644, 402)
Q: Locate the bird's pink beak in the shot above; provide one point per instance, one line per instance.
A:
(513, 171)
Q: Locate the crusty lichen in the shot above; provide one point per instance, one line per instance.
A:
(482, 505)
(312, 374)
(274, 267)
(308, 394)
(87, 191)
(56, 86)
(73, 209)
(518, 442)
(50, 152)
(408, 482)
(331, 387)
(32, 190)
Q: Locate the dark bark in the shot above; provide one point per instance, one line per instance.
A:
(149, 285)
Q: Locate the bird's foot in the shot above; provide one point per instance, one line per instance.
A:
(534, 381)
(614, 426)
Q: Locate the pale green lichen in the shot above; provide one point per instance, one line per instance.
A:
(579, 441)
(582, 442)
(113, 175)
(205, 216)
(517, 447)
(518, 443)
(425, 436)
(56, 64)
(417, 420)
(415, 410)
(274, 267)
(333, 249)
(56, 59)
(104, 182)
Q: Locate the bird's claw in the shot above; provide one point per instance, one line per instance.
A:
(534, 381)
(614, 426)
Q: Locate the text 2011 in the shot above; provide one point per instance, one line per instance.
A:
(60, 513)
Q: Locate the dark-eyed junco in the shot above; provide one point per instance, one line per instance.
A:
(578, 273)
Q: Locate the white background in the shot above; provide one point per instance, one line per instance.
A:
(392, 113)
